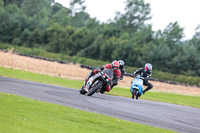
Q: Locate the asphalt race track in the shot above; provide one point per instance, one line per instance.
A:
(157, 114)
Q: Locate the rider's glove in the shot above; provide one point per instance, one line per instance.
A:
(99, 69)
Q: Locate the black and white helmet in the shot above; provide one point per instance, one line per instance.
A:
(121, 63)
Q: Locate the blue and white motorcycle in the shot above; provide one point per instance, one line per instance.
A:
(137, 87)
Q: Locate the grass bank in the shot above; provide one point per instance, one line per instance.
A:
(154, 96)
(23, 115)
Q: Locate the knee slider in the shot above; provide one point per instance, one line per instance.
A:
(108, 88)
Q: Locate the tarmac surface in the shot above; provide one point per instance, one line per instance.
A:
(158, 114)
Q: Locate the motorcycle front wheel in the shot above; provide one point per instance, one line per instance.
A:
(134, 92)
(82, 91)
(95, 89)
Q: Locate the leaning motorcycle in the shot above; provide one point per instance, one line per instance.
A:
(137, 87)
(98, 82)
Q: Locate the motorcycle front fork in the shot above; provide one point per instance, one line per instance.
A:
(91, 81)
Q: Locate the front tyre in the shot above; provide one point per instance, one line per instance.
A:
(134, 92)
(93, 90)
(82, 91)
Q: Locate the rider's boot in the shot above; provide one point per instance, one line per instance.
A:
(137, 97)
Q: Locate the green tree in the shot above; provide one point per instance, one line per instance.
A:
(172, 34)
(107, 49)
(93, 50)
(17, 2)
(61, 17)
(195, 41)
(124, 51)
(81, 39)
(80, 19)
(33, 38)
(186, 61)
(141, 42)
(12, 23)
(77, 6)
(26, 38)
(40, 20)
(110, 30)
(59, 39)
(136, 13)
(159, 56)
(56, 7)
(94, 26)
(32, 7)
(1, 5)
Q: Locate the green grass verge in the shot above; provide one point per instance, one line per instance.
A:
(193, 101)
(41, 78)
(23, 115)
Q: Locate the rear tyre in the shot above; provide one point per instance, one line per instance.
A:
(93, 90)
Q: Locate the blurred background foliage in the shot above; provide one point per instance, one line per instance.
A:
(49, 26)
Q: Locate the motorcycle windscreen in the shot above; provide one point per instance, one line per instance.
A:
(109, 72)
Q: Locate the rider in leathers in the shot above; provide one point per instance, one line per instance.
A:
(114, 66)
(121, 68)
(146, 73)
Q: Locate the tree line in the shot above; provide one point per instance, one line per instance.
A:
(71, 31)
